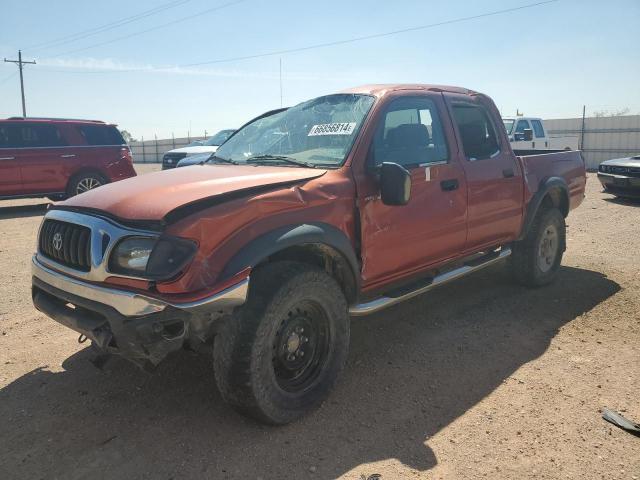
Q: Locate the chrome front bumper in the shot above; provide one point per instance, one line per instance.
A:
(132, 304)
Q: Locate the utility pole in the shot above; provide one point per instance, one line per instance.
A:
(281, 81)
(584, 112)
(20, 63)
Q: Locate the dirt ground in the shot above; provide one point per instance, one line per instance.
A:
(479, 379)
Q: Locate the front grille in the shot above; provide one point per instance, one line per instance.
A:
(66, 243)
(170, 160)
(618, 170)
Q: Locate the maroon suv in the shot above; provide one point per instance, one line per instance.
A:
(59, 158)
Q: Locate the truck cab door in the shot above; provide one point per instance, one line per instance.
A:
(397, 241)
(494, 178)
(540, 139)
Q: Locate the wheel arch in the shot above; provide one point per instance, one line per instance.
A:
(83, 171)
(552, 192)
(318, 244)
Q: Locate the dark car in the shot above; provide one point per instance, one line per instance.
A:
(59, 158)
(621, 176)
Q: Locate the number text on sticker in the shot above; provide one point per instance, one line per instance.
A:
(332, 129)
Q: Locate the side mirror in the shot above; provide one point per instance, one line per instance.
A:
(395, 184)
(528, 134)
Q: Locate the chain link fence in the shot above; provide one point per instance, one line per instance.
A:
(151, 151)
(599, 138)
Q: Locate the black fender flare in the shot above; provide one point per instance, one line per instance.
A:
(546, 185)
(287, 236)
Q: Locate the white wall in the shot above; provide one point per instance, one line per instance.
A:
(604, 137)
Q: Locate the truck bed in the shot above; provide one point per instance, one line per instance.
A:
(541, 165)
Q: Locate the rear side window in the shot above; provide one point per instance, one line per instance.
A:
(537, 128)
(478, 134)
(100, 135)
(4, 136)
(410, 134)
(24, 135)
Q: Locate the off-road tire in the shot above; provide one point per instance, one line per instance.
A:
(245, 353)
(524, 260)
(87, 178)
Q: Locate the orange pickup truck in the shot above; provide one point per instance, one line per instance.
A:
(337, 207)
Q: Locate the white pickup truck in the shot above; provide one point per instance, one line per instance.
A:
(529, 133)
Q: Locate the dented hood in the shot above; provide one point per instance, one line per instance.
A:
(152, 196)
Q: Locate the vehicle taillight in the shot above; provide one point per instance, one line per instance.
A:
(125, 154)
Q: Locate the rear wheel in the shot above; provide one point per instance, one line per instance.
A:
(536, 259)
(84, 182)
(279, 355)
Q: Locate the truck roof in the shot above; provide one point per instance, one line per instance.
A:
(521, 118)
(382, 89)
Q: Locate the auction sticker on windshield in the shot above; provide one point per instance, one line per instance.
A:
(332, 129)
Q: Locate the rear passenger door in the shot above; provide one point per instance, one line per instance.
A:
(41, 156)
(10, 182)
(494, 180)
(540, 140)
(103, 144)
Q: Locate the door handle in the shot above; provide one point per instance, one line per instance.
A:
(507, 172)
(7, 158)
(449, 185)
(69, 155)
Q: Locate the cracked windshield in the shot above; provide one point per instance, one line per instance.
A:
(316, 133)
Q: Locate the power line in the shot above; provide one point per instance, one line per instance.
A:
(167, 69)
(6, 79)
(104, 28)
(369, 37)
(158, 27)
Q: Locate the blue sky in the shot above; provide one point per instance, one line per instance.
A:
(546, 61)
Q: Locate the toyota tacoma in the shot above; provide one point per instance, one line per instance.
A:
(340, 206)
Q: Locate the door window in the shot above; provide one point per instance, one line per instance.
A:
(34, 136)
(101, 135)
(4, 136)
(537, 128)
(522, 125)
(410, 134)
(477, 132)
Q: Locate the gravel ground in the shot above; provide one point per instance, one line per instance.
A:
(478, 379)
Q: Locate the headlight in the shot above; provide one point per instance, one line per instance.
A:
(131, 255)
(153, 258)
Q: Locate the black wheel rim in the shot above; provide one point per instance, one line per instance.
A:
(301, 347)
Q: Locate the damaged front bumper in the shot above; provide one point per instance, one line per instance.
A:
(141, 328)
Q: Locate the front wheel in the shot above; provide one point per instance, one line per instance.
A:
(279, 355)
(536, 258)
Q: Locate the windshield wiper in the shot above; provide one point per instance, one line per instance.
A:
(221, 160)
(279, 158)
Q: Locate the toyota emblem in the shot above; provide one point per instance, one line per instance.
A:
(57, 241)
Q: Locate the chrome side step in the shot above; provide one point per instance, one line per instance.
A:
(473, 266)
